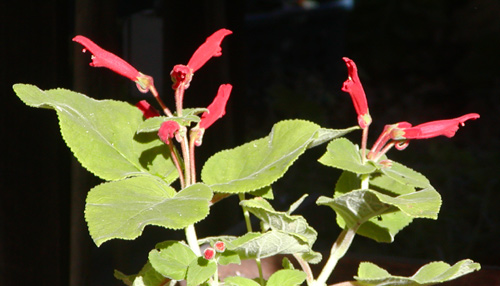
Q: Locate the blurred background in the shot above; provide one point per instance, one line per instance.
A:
(418, 61)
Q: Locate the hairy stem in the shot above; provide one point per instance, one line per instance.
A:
(158, 99)
(338, 250)
(192, 239)
(305, 267)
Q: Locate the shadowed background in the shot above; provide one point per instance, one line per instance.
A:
(418, 61)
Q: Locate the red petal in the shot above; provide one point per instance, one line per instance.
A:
(103, 58)
(211, 48)
(217, 108)
(147, 109)
(447, 127)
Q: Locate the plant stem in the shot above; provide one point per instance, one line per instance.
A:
(192, 239)
(157, 97)
(248, 223)
(305, 267)
(364, 139)
(175, 158)
(246, 214)
(338, 250)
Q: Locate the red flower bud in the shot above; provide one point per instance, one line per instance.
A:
(220, 246)
(209, 253)
(167, 130)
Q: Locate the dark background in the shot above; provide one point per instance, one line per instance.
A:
(418, 61)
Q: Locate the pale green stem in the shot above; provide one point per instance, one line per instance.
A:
(305, 267)
(338, 250)
(192, 240)
(192, 147)
(365, 181)
(246, 215)
(364, 139)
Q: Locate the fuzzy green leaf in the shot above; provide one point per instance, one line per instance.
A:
(286, 277)
(262, 245)
(146, 277)
(200, 270)
(259, 163)
(239, 281)
(406, 176)
(102, 134)
(370, 274)
(172, 260)
(293, 224)
(326, 134)
(381, 216)
(122, 209)
(153, 124)
(343, 154)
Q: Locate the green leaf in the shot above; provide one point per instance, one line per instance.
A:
(286, 277)
(200, 270)
(262, 245)
(386, 183)
(381, 216)
(172, 260)
(343, 154)
(229, 257)
(146, 277)
(239, 281)
(266, 192)
(406, 176)
(292, 224)
(259, 163)
(102, 134)
(153, 124)
(326, 134)
(122, 209)
(429, 274)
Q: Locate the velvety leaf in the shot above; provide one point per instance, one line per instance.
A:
(146, 277)
(239, 281)
(262, 245)
(153, 124)
(343, 154)
(429, 274)
(102, 134)
(200, 270)
(229, 257)
(381, 216)
(326, 134)
(122, 209)
(259, 163)
(266, 193)
(286, 277)
(293, 224)
(406, 176)
(172, 260)
(296, 204)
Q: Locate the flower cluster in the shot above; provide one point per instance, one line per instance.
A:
(398, 134)
(181, 76)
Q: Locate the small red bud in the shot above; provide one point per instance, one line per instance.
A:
(209, 253)
(220, 246)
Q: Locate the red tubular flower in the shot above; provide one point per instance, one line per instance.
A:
(217, 108)
(353, 86)
(147, 109)
(447, 127)
(167, 130)
(103, 58)
(211, 48)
